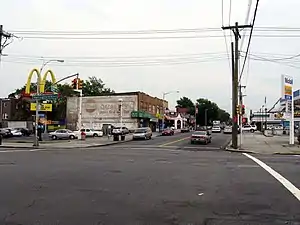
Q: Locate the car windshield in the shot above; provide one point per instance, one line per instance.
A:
(216, 127)
(200, 133)
(139, 131)
(117, 128)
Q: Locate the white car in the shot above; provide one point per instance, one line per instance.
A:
(120, 130)
(248, 128)
(216, 129)
(227, 130)
(16, 133)
(89, 132)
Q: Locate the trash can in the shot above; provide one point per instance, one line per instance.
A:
(122, 137)
(83, 136)
(116, 137)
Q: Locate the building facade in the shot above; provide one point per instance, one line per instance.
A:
(8, 107)
(130, 109)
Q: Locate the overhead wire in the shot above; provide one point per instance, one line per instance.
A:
(224, 34)
(249, 41)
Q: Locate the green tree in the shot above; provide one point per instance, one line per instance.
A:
(185, 102)
(94, 87)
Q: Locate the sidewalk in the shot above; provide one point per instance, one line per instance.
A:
(88, 143)
(260, 144)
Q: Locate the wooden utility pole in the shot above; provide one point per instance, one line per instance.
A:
(235, 81)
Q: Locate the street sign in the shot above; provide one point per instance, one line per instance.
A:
(43, 107)
(54, 88)
(45, 97)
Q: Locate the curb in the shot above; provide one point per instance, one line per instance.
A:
(286, 153)
(226, 144)
(240, 151)
(18, 147)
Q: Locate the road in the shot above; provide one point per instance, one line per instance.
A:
(160, 181)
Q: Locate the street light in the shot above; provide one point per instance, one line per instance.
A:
(121, 113)
(164, 95)
(37, 101)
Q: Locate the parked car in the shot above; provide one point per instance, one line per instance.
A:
(142, 133)
(6, 133)
(89, 132)
(216, 129)
(120, 130)
(16, 133)
(185, 130)
(201, 137)
(167, 132)
(62, 134)
(227, 130)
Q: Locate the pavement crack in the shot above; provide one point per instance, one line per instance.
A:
(31, 204)
(7, 216)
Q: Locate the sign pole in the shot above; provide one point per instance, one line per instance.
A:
(36, 139)
(292, 134)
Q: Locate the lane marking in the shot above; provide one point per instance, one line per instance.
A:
(172, 142)
(286, 183)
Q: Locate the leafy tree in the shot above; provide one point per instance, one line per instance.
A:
(94, 87)
(185, 102)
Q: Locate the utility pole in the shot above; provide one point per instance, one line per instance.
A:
(235, 82)
(4, 36)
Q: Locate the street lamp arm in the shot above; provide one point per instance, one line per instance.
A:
(51, 60)
(67, 77)
(169, 92)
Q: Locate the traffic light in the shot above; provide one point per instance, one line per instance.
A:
(74, 83)
(243, 110)
(238, 110)
(80, 83)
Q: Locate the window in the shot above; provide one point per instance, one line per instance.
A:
(149, 108)
(5, 116)
(153, 109)
(4, 104)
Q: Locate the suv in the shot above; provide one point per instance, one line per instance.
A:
(120, 130)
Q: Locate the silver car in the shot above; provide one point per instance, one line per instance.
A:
(62, 134)
(142, 133)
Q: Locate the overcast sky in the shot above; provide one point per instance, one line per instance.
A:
(197, 67)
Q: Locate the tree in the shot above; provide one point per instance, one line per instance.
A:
(213, 112)
(185, 102)
(94, 87)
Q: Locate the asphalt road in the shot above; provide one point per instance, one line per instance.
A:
(180, 141)
(128, 184)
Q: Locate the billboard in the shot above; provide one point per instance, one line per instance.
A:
(287, 87)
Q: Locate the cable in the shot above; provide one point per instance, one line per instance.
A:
(248, 46)
(125, 65)
(246, 22)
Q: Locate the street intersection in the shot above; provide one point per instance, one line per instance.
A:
(161, 181)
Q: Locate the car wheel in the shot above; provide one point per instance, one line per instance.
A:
(72, 137)
(54, 137)
(95, 135)
(252, 131)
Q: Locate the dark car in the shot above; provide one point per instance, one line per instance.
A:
(185, 130)
(167, 132)
(24, 131)
(6, 133)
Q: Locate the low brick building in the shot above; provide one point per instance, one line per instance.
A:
(138, 110)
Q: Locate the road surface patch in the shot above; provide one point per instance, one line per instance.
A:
(286, 183)
(173, 142)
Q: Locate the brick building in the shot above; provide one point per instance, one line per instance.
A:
(8, 107)
(138, 110)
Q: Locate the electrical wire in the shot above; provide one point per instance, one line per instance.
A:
(249, 41)
(246, 22)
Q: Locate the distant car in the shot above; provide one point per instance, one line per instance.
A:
(216, 129)
(89, 132)
(62, 134)
(201, 137)
(120, 130)
(185, 130)
(142, 133)
(167, 132)
(6, 132)
(227, 130)
(248, 128)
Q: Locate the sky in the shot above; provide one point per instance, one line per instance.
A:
(157, 62)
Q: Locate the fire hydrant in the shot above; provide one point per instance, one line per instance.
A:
(83, 136)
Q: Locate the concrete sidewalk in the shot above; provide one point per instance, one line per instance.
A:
(260, 144)
(88, 143)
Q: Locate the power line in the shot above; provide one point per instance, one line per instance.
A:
(248, 46)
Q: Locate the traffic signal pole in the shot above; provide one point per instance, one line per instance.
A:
(241, 113)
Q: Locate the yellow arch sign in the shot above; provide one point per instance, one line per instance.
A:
(41, 81)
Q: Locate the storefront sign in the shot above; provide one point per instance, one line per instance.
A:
(140, 114)
(43, 107)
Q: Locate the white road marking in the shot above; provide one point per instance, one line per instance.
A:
(286, 183)
(200, 194)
